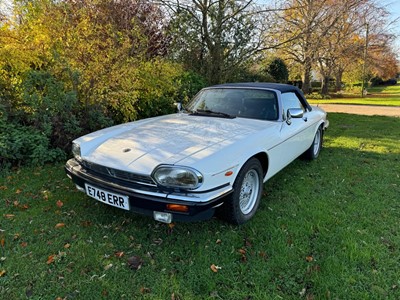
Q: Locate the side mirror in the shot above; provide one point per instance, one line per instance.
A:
(179, 106)
(295, 113)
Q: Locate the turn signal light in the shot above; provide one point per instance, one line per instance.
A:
(178, 207)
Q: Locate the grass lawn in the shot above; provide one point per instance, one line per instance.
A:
(327, 229)
(385, 95)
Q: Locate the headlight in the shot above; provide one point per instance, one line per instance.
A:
(76, 151)
(177, 177)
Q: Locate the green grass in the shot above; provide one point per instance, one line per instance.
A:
(381, 95)
(327, 229)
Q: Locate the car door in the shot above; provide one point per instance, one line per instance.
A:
(296, 136)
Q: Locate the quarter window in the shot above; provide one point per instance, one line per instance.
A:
(290, 100)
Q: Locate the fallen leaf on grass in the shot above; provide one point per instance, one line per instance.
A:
(59, 225)
(60, 203)
(218, 241)
(18, 191)
(145, 290)
(24, 244)
(50, 259)
(2, 273)
(86, 223)
(67, 245)
(263, 255)
(215, 268)
(24, 207)
(309, 258)
(9, 216)
(2, 243)
(242, 251)
(3, 188)
(135, 262)
(109, 266)
(119, 254)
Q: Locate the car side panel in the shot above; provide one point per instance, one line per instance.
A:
(296, 139)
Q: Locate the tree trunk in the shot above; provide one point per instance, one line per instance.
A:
(325, 85)
(338, 79)
(307, 77)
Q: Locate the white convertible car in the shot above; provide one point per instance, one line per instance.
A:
(214, 154)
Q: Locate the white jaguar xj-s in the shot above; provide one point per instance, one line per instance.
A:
(216, 153)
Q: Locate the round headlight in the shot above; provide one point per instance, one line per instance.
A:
(76, 151)
(178, 177)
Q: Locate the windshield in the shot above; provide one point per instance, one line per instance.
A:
(236, 102)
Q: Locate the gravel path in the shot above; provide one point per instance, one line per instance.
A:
(371, 110)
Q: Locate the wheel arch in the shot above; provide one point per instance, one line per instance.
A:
(264, 160)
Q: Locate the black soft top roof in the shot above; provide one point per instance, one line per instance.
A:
(266, 85)
(283, 88)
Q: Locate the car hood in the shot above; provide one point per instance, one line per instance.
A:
(141, 146)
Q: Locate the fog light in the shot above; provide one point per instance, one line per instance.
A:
(178, 207)
(162, 217)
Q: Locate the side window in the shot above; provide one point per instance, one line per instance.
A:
(290, 100)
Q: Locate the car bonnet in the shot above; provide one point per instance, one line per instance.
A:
(167, 140)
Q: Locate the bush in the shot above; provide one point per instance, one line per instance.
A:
(318, 96)
(25, 145)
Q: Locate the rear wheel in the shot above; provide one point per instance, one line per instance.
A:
(315, 148)
(242, 204)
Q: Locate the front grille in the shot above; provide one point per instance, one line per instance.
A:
(118, 174)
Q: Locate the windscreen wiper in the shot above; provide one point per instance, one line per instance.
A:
(208, 112)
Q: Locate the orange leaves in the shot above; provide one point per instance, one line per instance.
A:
(59, 225)
(20, 206)
(2, 273)
(55, 257)
(119, 254)
(215, 268)
(59, 203)
(50, 259)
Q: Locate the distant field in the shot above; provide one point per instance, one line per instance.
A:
(387, 95)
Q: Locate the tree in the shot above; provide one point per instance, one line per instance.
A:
(278, 70)
(214, 37)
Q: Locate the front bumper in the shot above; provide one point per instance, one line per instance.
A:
(201, 205)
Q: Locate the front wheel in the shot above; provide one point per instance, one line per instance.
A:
(313, 152)
(242, 204)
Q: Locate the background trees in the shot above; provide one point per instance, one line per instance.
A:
(329, 37)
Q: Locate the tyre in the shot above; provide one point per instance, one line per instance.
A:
(242, 204)
(313, 152)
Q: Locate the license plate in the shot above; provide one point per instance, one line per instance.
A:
(107, 197)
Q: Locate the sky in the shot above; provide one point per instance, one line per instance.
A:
(393, 7)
